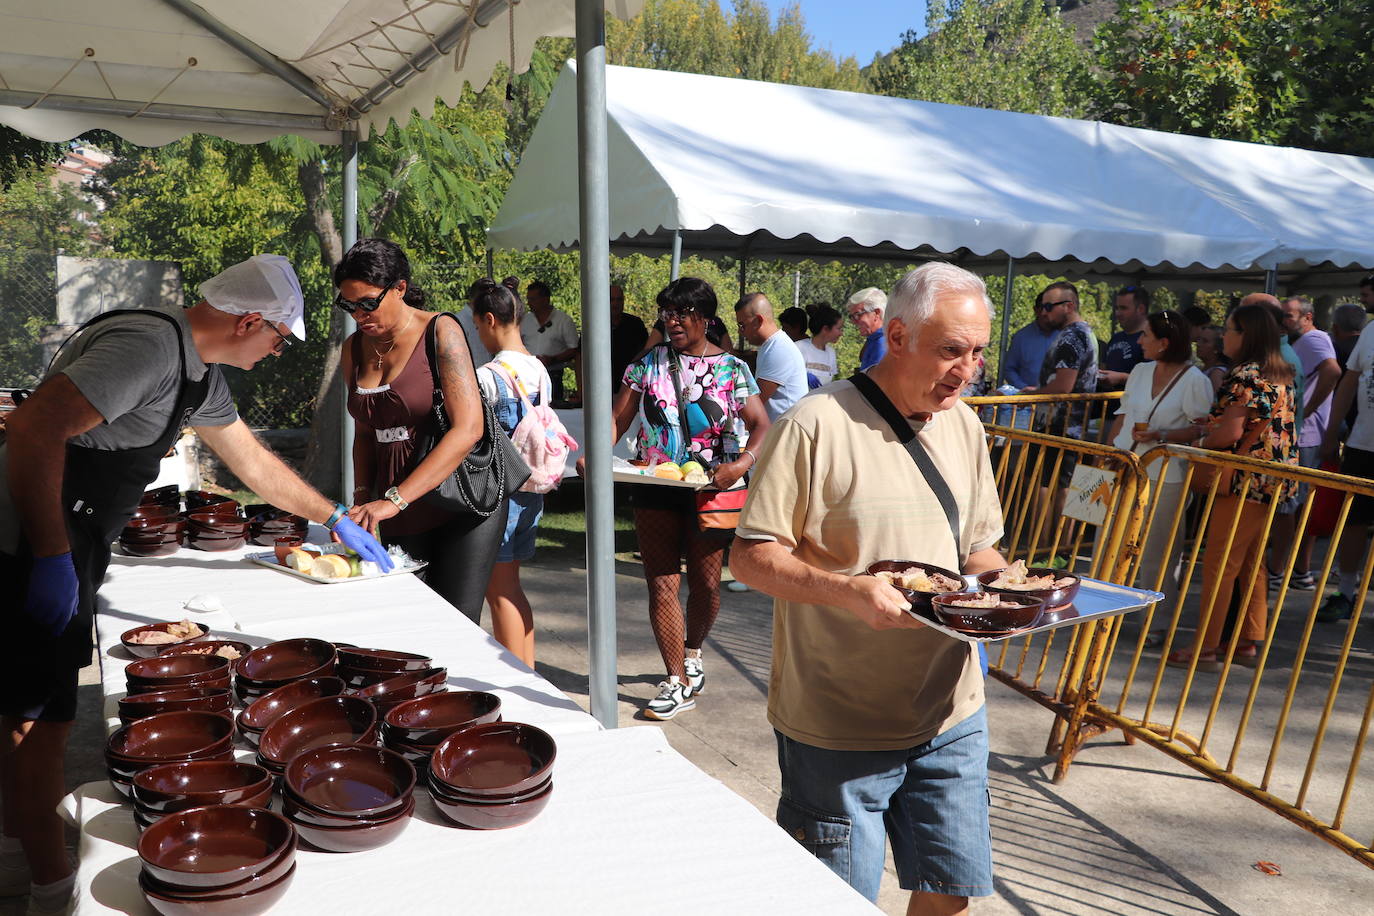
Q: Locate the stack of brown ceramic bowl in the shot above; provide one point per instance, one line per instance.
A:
(364, 667)
(407, 686)
(202, 500)
(274, 704)
(149, 649)
(152, 536)
(198, 699)
(348, 798)
(264, 527)
(168, 737)
(269, 667)
(171, 787)
(166, 672)
(414, 728)
(492, 776)
(220, 860)
(166, 498)
(317, 723)
(212, 647)
(211, 530)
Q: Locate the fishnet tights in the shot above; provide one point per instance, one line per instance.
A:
(664, 534)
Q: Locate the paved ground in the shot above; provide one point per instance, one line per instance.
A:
(1128, 832)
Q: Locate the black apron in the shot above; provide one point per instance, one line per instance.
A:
(101, 489)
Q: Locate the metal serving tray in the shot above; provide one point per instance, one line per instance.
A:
(1095, 600)
(268, 558)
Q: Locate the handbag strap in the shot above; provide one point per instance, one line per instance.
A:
(675, 373)
(907, 436)
(1165, 393)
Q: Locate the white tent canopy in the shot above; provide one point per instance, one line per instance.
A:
(248, 70)
(772, 171)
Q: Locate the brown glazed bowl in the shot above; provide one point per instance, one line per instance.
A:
(153, 527)
(318, 723)
(213, 544)
(197, 500)
(407, 686)
(257, 895)
(453, 795)
(500, 758)
(430, 719)
(918, 599)
(215, 846)
(368, 835)
(169, 495)
(200, 699)
(417, 754)
(278, 663)
(167, 737)
(975, 620)
(1053, 597)
(272, 705)
(163, 548)
(220, 681)
(192, 784)
(478, 816)
(211, 647)
(148, 650)
(383, 660)
(166, 671)
(350, 780)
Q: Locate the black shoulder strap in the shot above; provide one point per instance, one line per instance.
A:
(907, 436)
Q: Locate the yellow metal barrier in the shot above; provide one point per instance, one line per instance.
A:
(1040, 412)
(1308, 696)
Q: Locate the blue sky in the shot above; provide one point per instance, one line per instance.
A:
(859, 28)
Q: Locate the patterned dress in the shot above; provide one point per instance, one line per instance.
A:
(1273, 412)
(714, 387)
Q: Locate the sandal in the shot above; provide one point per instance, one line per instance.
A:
(1183, 658)
(1247, 656)
(1155, 639)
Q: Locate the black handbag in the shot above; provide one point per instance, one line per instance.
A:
(492, 470)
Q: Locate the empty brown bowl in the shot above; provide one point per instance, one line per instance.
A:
(479, 816)
(169, 736)
(213, 544)
(272, 705)
(214, 846)
(1023, 612)
(192, 784)
(197, 500)
(500, 758)
(202, 699)
(168, 495)
(148, 650)
(384, 660)
(251, 897)
(162, 672)
(919, 597)
(1053, 597)
(350, 780)
(407, 686)
(430, 719)
(318, 723)
(359, 838)
(287, 660)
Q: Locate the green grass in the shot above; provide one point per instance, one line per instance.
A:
(563, 527)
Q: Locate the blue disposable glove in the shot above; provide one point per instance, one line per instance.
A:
(52, 592)
(352, 536)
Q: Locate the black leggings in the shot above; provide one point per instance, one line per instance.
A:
(461, 554)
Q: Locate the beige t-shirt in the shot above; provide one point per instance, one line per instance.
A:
(836, 487)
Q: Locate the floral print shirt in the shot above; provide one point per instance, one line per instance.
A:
(1272, 407)
(715, 387)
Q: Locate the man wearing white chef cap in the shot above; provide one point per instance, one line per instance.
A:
(76, 458)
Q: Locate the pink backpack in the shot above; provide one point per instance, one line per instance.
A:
(540, 437)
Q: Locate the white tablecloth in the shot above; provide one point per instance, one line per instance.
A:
(609, 842)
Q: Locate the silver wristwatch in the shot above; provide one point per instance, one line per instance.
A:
(394, 495)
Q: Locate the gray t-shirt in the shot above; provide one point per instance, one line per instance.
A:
(127, 367)
(782, 363)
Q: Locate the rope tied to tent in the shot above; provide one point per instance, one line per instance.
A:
(89, 52)
(190, 62)
(460, 56)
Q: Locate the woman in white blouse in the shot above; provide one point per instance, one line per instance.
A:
(826, 326)
(1170, 397)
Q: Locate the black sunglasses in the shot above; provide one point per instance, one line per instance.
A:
(681, 314)
(367, 304)
(1046, 306)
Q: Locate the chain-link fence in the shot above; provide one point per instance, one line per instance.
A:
(28, 307)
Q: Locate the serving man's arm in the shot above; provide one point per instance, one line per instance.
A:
(263, 472)
(771, 568)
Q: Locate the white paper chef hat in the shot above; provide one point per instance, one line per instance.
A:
(265, 283)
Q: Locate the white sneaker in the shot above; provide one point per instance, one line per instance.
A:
(736, 585)
(673, 697)
(696, 674)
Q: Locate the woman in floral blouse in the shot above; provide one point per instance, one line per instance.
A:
(724, 426)
(1252, 416)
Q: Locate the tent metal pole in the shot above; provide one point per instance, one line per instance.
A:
(1006, 322)
(1271, 281)
(350, 235)
(675, 267)
(743, 273)
(796, 289)
(594, 243)
(491, 264)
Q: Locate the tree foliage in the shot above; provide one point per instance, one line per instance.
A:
(1012, 55)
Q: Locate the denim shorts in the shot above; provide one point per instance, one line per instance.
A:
(931, 800)
(521, 527)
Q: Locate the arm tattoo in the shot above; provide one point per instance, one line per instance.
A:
(456, 375)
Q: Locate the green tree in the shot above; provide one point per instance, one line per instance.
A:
(1012, 55)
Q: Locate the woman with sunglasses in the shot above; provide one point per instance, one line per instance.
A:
(1163, 397)
(390, 396)
(694, 402)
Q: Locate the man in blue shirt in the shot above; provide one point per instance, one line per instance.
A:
(1123, 351)
(866, 311)
(1026, 352)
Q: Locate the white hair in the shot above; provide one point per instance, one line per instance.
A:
(913, 298)
(871, 298)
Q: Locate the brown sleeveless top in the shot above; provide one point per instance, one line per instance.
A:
(397, 413)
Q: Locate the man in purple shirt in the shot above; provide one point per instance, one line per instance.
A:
(1320, 372)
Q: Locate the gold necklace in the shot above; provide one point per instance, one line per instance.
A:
(380, 353)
